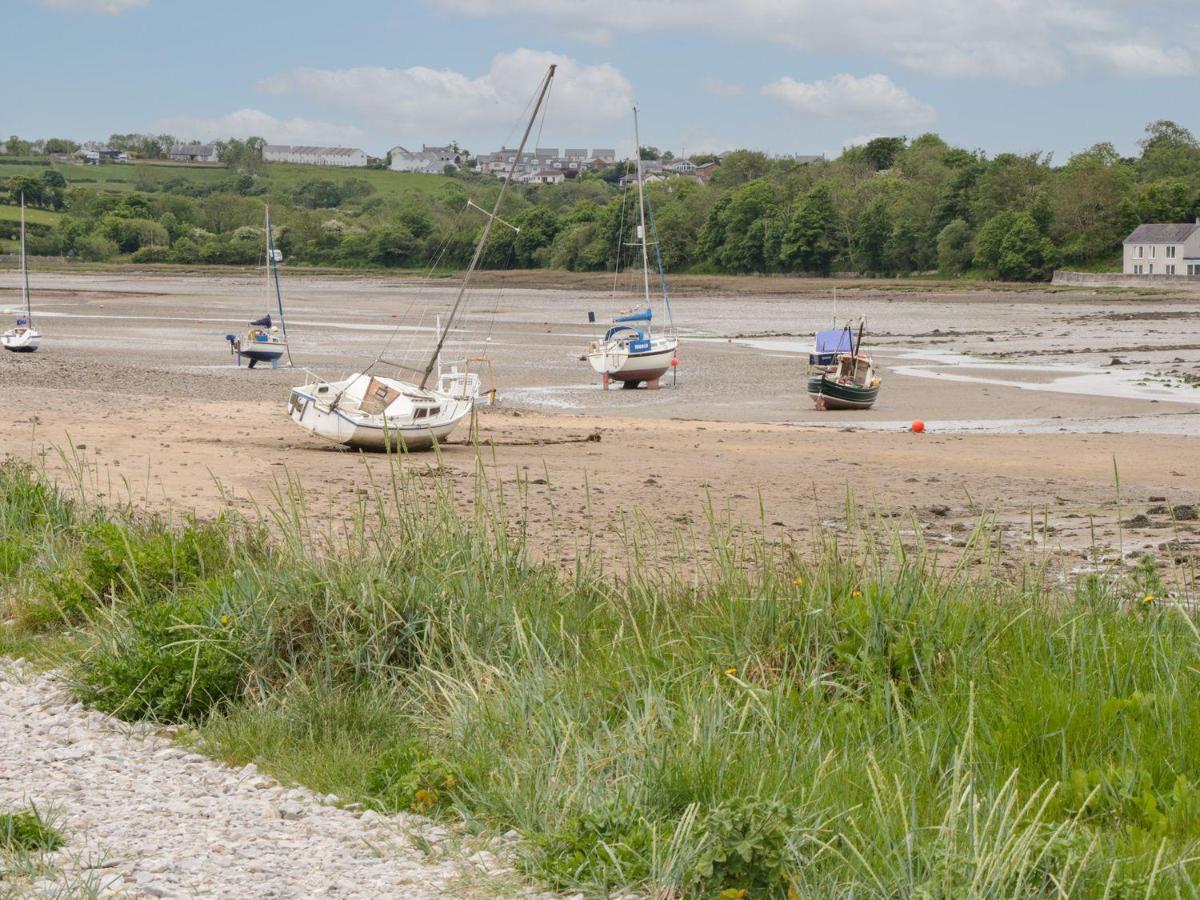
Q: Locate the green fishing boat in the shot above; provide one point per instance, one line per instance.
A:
(840, 375)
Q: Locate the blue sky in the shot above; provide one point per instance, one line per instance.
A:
(785, 76)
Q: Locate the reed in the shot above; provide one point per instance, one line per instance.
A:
(851, 720)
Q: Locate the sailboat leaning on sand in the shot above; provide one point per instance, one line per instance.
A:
(629, 352)
(371, 412)
(24, 337)
(265, 341)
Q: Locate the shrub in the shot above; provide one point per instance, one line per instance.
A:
(95, 248)
(169, 661)
(152, 254)
(408, 777)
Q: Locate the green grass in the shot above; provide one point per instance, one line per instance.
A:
(855, 722)
(124, 176)
(32, 216)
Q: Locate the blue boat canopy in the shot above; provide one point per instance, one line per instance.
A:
(642, 315)
(264, 322)
(835, 341)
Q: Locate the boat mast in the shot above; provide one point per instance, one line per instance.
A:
(273, 270)
(25, 268)
(637, 141)
(487, 227)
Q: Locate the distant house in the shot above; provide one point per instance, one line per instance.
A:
(1163, 249)
(605, 155)
(341, 157)
(547, 176)
(430, 160)
(682, 166)
(705, 171)
(196, 153)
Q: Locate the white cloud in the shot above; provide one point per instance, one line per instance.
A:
(873, 100)
(1025, 41)
(1134, 60)
(104, 7)
(718, 88)
(439, 104)
(255, 123)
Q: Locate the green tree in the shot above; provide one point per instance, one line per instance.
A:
(392, 245)
(1168, 150)
(881, 152)
(990, 238)
(955, 250)
(1025, 253)
(810, 243)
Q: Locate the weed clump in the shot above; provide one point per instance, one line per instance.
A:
(28, 831)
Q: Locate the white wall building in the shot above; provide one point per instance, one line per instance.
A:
(342, 157)
(430, 160)
(1163, 249)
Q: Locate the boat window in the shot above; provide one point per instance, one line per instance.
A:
(420, 413)
(323, 389)
(435, 410)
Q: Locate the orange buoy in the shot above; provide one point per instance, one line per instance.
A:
(674, 362)
(917, 426)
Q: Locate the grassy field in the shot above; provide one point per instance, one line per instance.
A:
(128, 176)
(858, 722)
(32, 216)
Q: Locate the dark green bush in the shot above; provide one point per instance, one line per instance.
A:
(28, 831)
(173, 660)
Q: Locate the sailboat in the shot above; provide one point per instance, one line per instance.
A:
(264, 341)
(24, 337)
(629, 352)
(371, 412)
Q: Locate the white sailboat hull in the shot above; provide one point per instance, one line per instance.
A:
(20, 340)
(332, 411)
(614, 359)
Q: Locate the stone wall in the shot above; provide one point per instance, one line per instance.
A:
(1118, 279)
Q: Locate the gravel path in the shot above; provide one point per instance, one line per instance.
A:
(146, 818)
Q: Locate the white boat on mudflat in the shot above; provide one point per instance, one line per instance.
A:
(23, 338)
(370, 412)
(629, 353)
(375, 413)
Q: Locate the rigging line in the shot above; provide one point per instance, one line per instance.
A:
(487, 229)
(455, 223)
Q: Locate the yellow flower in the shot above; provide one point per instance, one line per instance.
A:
(797, 581)
(731, 671)
(1148, 599)
(856, 593)
(225, 620)
(425, 799)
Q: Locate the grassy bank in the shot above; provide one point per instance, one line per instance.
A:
(849, 722)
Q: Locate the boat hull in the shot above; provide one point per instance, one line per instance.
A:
(20, 343)
(633, 368)
(829, 394)
(363, 432)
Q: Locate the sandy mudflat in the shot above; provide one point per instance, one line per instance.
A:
(1029, 398)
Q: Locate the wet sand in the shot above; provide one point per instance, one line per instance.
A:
(1030, 399)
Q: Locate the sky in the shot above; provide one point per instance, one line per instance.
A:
(783, 76)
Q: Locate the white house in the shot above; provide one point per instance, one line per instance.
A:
(342, 157)
(547, 176)
(430, 160)
(1163, 249)
(194, 153)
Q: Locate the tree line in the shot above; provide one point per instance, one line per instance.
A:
(891, 207)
